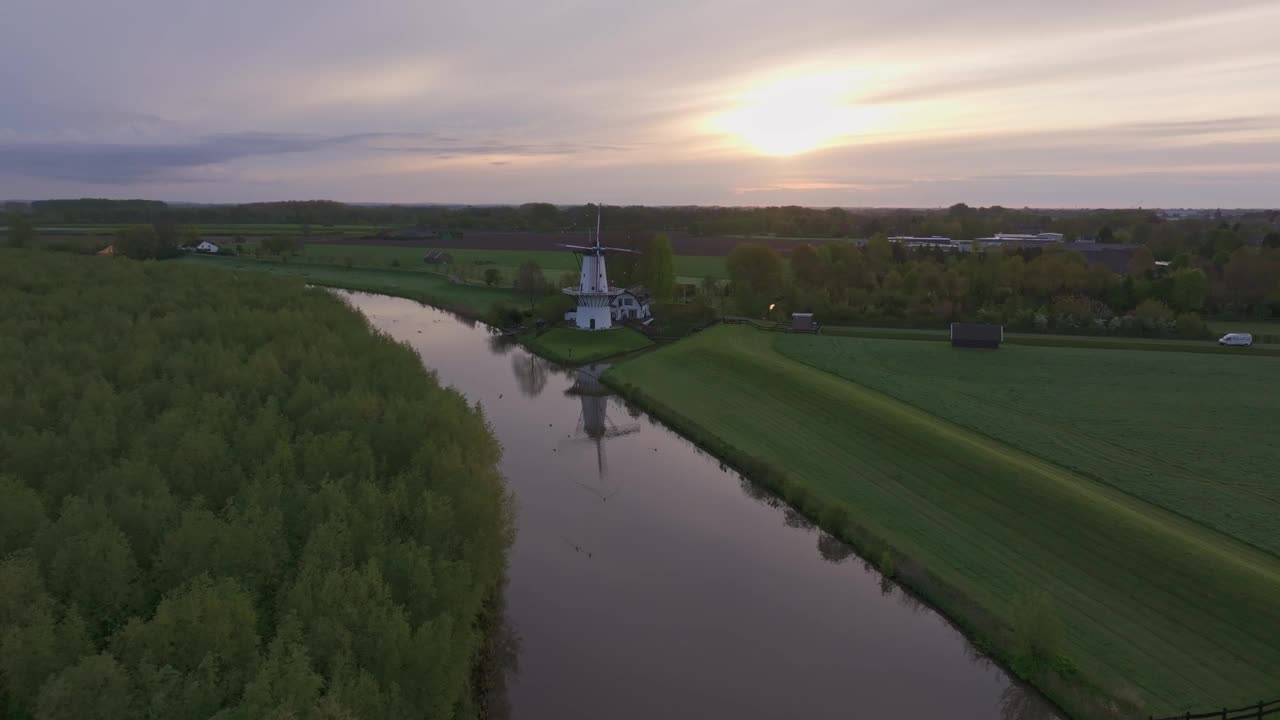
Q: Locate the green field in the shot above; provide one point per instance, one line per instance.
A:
(221, 229)
(1188, 432)
(1160, 614)
(432, 288)
(573, 346)
(1101, 342)
(688, 268)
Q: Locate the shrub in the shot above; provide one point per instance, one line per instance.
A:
(1189, 325)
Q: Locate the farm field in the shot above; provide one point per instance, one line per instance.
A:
(1188, 432)
(553, 263)
(1159, 612)
(570, 346)
(434, 288)
(1110, 342)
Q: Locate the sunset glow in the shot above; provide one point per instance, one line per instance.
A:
(798, 115)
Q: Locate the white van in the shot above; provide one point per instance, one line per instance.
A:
(1242, 339)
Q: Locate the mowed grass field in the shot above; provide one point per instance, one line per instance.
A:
(418, 285)
(688, 268)
(1159, 612)
(1193, 433)
(573, 346)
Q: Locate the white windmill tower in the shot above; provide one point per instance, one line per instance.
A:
(594, 425)
(595, 297)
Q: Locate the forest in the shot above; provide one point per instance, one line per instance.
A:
(1040, 291)
(223, 495)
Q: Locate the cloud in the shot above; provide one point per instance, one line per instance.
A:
(126, 163)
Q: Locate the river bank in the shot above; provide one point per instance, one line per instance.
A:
(642, 564)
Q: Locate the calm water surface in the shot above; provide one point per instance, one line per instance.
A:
(647, 581)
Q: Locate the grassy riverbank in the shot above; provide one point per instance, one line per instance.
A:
(1158, 613)
(571, 346)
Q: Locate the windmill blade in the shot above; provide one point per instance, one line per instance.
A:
(574, 247)
(625, 250)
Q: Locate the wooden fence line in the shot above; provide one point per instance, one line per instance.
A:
(1250, 712)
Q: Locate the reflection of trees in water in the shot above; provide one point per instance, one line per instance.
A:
(531, 373)
(794, 519)
(832, 549)
(886, 586)
(635, 412)
(1019, 702)
(909, 601)
(499, 665)
(500, 344)
(757, 493)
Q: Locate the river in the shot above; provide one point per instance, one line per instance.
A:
(649, 581)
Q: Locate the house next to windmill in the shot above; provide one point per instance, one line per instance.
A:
(632, 304)
(598, 304)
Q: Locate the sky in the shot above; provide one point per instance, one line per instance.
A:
(853, 103)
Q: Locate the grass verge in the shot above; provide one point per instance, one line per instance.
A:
(571, 346)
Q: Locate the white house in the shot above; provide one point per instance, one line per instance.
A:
(631, 304)
(206, 247)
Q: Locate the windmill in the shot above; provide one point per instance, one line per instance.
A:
(594, 425)
(594, 296)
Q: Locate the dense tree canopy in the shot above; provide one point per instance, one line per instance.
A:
(1033, 291)
(224, 496)
(1206, 234)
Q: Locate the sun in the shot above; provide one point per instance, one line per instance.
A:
(796, 116)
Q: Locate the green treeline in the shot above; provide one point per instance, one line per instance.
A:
(1054, 290)
(1207, 235)
(222, 495)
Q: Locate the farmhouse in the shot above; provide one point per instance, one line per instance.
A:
(976, 335)
(631, 304)
(204, 246)
(437, 257)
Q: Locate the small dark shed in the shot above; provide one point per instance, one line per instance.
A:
(803, 322)
(976, 335)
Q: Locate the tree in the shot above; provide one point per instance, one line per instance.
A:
(95, 687)
(1188, 290)
(806, 266)
(1153, 314)
(879, 254)
(138, 242)
(657, 267)
(190, 236)
(755, 272)
(492, 276)
(529, 282)
(1142, 262)
(21, 231)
